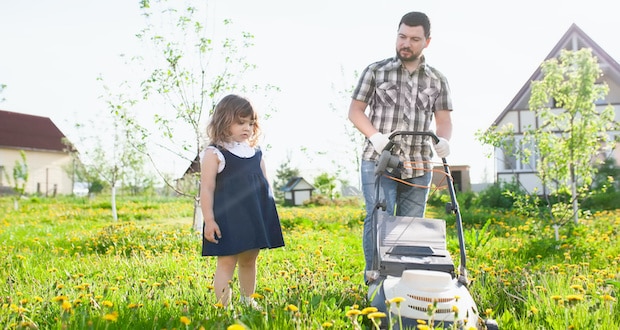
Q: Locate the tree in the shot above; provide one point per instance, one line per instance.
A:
(283, 175)
(326, 184)
(20, 178)
(188, 73)
(2, 87)
(109, 160)
(570, 127)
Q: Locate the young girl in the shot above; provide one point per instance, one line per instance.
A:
(239, 211)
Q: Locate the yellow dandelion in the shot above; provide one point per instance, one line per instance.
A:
(327, 324)
(219, 305)
(420, 321)
(134, 306)
(38, 299)
(534, 310)
(574, 297)
(488, 312)
(268, 289)
(607, 297)
(376, 315)
(369, 310)
(113, 317)
(397, 300)
(353, 312)
(291, 308)
(455, 308)
(256, 296)
(185, 320)
(556, 297)
(423, 327)
(66, 305)
(235, 327)
(59, 298)
(107, 303)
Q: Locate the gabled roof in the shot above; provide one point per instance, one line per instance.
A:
(573, 39)
(296, 181)
(22, 131)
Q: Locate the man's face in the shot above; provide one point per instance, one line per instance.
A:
(410, 42)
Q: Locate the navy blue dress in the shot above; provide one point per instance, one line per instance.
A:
(244, 208)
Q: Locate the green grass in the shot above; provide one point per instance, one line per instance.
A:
(64, 264)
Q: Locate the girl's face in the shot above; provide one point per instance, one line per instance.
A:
(242, 129)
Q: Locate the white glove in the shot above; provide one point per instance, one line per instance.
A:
(379, 141)
(442, 148)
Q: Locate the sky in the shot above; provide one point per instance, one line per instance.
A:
(53, 51)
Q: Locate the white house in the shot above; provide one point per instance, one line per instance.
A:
(47, 156)
(519, 115)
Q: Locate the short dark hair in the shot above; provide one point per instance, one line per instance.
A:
(416, 18)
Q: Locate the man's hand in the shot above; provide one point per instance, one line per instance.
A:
(442, 148)
(379, 141)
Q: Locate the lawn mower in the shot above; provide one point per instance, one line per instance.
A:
(412, 271)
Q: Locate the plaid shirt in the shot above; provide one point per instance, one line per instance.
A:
(400, 101)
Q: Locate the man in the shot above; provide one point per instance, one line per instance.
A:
(403, 93)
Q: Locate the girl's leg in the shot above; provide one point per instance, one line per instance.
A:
(224, 272)
(247, 272)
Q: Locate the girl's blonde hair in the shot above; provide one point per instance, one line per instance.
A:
(227, 111)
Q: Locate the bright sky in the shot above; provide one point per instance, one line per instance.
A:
(53, 51)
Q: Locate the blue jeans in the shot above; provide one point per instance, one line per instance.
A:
(400, 199)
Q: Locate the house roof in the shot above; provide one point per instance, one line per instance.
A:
(22, 131)
(573, 39)
(294, 182)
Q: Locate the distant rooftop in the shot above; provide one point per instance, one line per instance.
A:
(22, 131)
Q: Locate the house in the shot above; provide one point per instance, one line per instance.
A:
(47, 156)
(519, 115)
(296, 191)
(460, 177)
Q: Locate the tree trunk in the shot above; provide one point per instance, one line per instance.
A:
(197, 216)
(113, 203)
(573, 192)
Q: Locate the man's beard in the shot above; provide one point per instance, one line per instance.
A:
(411, 58)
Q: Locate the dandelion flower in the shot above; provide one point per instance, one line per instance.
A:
(369, 310)
(185, 320)
(219, 305)
(327, 324)
(113, 317)
(423, 327)
(107, 303)
(66, 305)
(376, 315)
(235, 327)
(291, 308)
(608, 298)
(256, 296)
(574, 297)
(353, 312)
(534, 310)
(397, 300)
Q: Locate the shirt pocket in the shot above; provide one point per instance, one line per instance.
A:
(427, 97)
(386, 94)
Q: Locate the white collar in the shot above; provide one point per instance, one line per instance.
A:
(241, 149)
